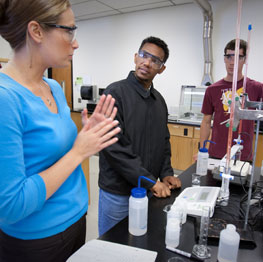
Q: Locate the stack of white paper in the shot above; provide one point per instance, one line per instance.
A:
(101, 251)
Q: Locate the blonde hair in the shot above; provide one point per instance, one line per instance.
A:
(16, 14)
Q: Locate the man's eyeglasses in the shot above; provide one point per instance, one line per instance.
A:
(156, 62)
(230, 57)
(70, 30)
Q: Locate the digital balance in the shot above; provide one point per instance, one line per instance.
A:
(198, 197)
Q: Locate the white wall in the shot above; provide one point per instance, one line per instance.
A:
(225, 16)
(5, 50)
(108, 45)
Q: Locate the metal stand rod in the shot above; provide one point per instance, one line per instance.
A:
(252, 177)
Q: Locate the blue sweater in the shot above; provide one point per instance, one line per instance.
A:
(31, 140)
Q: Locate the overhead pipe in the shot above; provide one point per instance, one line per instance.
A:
(207, 40)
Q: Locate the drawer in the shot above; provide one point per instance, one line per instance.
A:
(181, 130)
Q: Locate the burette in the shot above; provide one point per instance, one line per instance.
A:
(245, 80)
(226, 176)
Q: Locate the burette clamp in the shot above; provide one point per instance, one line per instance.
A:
(227, 176)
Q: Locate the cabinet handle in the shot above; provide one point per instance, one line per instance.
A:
(63, 86)
(185, 131)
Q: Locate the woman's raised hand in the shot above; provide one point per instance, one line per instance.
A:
(104, 109)
(92, 140)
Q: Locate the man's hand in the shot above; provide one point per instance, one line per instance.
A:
(160, 190)
(172, 182)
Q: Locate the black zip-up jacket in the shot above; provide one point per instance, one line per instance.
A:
(143, 148)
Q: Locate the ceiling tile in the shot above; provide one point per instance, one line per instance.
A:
(78, 1)
(119, 4)
(179, 2)
(90, 7)
(146, 7)
(97, 15)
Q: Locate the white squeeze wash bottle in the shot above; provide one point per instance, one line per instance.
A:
(202, 159)
(228, 244)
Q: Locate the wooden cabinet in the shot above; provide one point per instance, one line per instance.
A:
(64, 78)
(259, 156)
(3, 61)
(184, 144)
(196, 140)
(181, 148)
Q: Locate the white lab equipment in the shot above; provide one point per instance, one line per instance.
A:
(225, 172)
(228, 244)
(202, 159)
(181, 205)
(138, 209)
(235, 149)
(138, 212)
(172, 234)
(201, 250)
(198, 197)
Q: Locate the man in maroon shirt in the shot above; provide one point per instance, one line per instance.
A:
(215, 106)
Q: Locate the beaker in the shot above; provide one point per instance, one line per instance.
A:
(181, 205)
(172, 234)
(201, 250)
(173, 211)
(224, 190)
(196, 179)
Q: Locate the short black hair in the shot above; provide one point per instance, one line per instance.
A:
(159, 42)
(232, 44)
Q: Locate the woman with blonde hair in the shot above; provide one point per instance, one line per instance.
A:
(43, 192)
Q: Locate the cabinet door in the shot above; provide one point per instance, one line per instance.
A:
(195, 147)
(64, 77)
(259, 156)
(182, 152)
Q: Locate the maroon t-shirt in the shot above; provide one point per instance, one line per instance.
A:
(216, 102)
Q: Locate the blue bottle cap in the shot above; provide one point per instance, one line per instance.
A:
(138, 192)
(203, 150)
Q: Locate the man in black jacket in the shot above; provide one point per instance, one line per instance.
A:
(143, 148)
